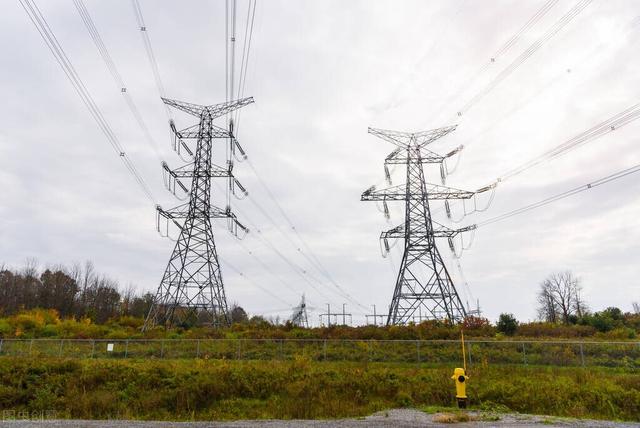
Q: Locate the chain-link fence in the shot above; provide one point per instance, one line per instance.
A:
(478, 352)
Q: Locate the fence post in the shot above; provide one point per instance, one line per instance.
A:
(418, 350)
(30, 346)
(93, 348)
(198, 348)
(60, 352)
(238, 350)
(469, 350)
(281, 351)
(162, 348)
(1, 343)
(324, 350)
(524, 354)
(581, 355)
(126, 348)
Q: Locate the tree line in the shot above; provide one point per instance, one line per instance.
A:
(77, 291)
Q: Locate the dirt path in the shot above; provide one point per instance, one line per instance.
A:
(398, 418)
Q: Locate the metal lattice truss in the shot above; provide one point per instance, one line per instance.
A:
(423, 284)
(192, 289)
(416, 140)
(399, 193)
(441, 231)
(398, 156)
(299, 317)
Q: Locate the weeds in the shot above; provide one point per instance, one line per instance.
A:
(453, 418)
(199, 389)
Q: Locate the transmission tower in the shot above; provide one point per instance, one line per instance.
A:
(191, 290)
(423, 285)
(299, 317)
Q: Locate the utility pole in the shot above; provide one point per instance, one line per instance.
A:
(344, 321)
(345, 315)
(191, 290)
(328, 315)
(375, 317)
(423, 281)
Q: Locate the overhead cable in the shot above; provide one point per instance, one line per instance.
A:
(45, 31)
(524, 56)
(115, 74)
(144, 33)
(604, 180)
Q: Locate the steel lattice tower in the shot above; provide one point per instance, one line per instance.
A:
(423, 285)
(299, 317)
(191, 289)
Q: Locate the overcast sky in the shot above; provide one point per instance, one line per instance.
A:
(321, 72)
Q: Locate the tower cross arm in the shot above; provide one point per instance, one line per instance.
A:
(182, 212)
(186, 171)
(441, 231)
(217, 110)
(419, 139)
(195, 132)
(214, 110)
(399, 193)
(399, 156)
(190, 108)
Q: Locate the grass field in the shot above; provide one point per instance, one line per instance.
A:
(478, 352)
(206, 389)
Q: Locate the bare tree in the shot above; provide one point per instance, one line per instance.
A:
(560, 298)
(127, 295)
(30, 269)
(636, 308)
(547, 308)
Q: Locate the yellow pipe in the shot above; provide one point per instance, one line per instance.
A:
(464, 355)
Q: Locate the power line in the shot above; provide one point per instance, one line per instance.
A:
(45, 31)
(633, 24)
(230, 24)
(604, 180)
(230, 39)
(613, 123)
(255, 284)
(440, 29)
(312, 259)
(150, 55)
(506, 46)
(246, 50)
(292, 265)
(297, 269)
(262, 239)
(115, 74)
(524, 56)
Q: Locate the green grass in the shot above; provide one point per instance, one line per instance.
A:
(214, 389)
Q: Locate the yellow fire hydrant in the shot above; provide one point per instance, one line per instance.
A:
(460, 377)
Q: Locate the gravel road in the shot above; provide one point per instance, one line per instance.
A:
(398, 418)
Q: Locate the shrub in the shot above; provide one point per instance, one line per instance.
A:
(551, 330)
(507, 324)
(5, 328)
